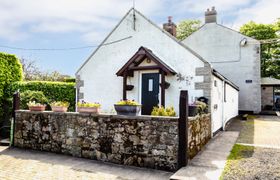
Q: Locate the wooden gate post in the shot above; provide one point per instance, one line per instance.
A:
(16, 104)
(183, 129)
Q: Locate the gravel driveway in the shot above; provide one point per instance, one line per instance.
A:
(257, 152)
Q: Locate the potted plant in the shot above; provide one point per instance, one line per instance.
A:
(197, 107)
(59, 106)
(201, 107)
(161, 111)
(85, 107)
(127, 107)
(33, 106)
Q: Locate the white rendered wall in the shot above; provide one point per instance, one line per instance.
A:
(217, 104)
(223, 109)
(101, 83)
(216, 43)
(231, 104)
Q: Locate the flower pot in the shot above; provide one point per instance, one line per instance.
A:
(192, 110)
(127, 110)
(37, 108)
(94, 110)
(59, 109)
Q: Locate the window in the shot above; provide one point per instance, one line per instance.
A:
(150, 87)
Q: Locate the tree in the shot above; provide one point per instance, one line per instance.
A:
(51, 76)
(33, 73)
(186, 28)
(30, 69)
(270, 46)
(259, 31)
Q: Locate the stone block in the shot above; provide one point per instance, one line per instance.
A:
(125, 140)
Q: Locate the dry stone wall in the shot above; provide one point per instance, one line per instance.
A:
(199, 133)
(142, 141)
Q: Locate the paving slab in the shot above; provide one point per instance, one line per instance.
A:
(16, 164)
(210, 162)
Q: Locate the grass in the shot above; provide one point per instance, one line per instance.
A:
(252, 116)
(237, 153)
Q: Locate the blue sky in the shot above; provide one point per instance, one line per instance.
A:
(75, 23)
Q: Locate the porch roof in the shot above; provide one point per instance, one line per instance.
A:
(270, 81)
(143, 53)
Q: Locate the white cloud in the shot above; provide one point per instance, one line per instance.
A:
(261, 12)
(199, 6)
(58, 16)
(20, 19)
(234, 13)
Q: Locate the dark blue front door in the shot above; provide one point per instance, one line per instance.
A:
(150, 92)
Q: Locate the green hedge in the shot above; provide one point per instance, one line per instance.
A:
(27, 96)
(69, 80)
(10, 71)
(54, 91)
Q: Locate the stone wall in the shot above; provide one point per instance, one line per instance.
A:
(143, 141)
(199, 133)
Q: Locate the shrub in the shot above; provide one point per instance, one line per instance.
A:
(201, 107)
(60, 104)
(34, 103)
(69, 80)
(10, 71)
(54, 91)
(127, 102)
(32, 96)
(161, 111)
(85, 104)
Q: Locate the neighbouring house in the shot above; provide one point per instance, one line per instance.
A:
(270, 95)
(234, 55)
(141, 61)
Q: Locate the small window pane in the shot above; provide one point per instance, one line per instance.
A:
(150, 85)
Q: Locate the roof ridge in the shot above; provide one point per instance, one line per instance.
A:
(152, 23)
(174, 38)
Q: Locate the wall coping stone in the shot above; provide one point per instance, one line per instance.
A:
(141, 117)
(113, 116)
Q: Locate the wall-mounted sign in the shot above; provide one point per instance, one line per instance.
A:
(249, 81)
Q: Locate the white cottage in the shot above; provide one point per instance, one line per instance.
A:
(140, 61)
(234, 55)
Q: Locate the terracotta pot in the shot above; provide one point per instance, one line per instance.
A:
(94, 110)
(127, 110)
(37, 108)
(59, 109)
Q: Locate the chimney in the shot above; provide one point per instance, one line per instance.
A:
(170, 26)
(211, 15)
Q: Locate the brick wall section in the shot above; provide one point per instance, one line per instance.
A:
(143, 141)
